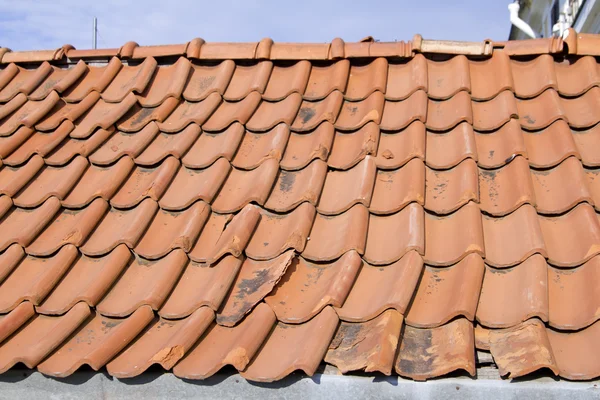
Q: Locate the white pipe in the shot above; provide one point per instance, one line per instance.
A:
(513, 9)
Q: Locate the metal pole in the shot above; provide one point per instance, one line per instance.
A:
(94, 42)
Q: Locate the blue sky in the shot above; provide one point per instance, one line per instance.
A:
(46, 24)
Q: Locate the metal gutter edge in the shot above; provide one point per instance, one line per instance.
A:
(151, 385)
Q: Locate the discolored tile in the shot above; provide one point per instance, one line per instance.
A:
(446, 78)
(390, 286)
(287, 79)
(349, 148)
(168, 144)
(447, 149)
(269, 114)
(255, 148)
(497, 148)
(550, 146)
(230, 112)
(212, 146)
(166, 81)
(498, 66)
(448, 190)
(313, 113)
(323, 80)
(443, 115)
(406, 78)
(366, 79)
(21, 225)
(541, 111)
(400, 114)
(248, 78)
(534, 76)
(303, 148)
(130, 79)
(206, 79)
(396, 149)
(307, 288)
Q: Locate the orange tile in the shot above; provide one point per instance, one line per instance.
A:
(227, 346)
(255, 281)
(269, 114)
(28, 114)
(145, 183)
(292, 347)
(207, 79)
(534, 351)
(258, 147)
(400, 114)
(120, 227)
(587, 141)
(138, 117)
(354, 115)
(63, 111)
(312, 113)
(211, 146)
(96, 342)
(450, 238)
(572, 352)
(24, 80)
(593, 184)
(6, 204)
(188, 112)
(498, 66)
(550, 146)
(9, 259)
(287, 79)
(73, 147)
(332, 236)
(447, 149)
(13, 179)
(395, 189)
(303, 148)
(574, 298)
(9, 108)
(390, 286)
(293, 188)
(307, 288)
(201, 285)
(369, 346)
(173, 230)
(190, 185)
(40, 337)
(349, 148)
(323, 80)
(511, 296)
(8, 144)
(497, 148)
(343, 189)
(34, 278)
(448, 190)
(167, 81)
(572, 238)
(224, 234)
(446, 114)
(12, 321)
(541, 111)
(143, 283)
(59, 79)
(93, 79)
(504, 190)
(87, 280)
(582, 111)
(102, 115)
(492, 114)
(577, 76)
(98, 182)
(130, 79)
(533, 77)
(430, 353)
(406, 78)
(243, 187)
(248, 78)
(229, 112)
(390, 237)
(23, 225)
(447, 78)
(51, 182)
(41, 143)
(366, 79)
(396, 149)
(276, 233)
(164, 342)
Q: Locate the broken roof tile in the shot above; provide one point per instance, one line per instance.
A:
(323, 80)
(164, 342)
(395, 285)
(13, 179)
(497, 148)
(211, 146)
(307, 288)
(492, 114)
(396, 188)
(572, 238)
(447, 292)
(541, 111)
(278, 357)
(366, 79)
(276, 233)
(255, 148)
(222, 345)
(504, 190)
(167, 81)
(248, 78)
(390, 237)
(188, 112)
(399, 114)
(449, 239)
(551, 145)
(447, 149)
(349, 148)
(406, 78)
(255, 281)
(576, 77)
(287, 79)
(130, 79)
(34, 278)
(87, 280)
(120, 226)
(498, 66)
(511, 296)
(448, 190)
(433, 352)
(41, 143)
(396, 149)
(443, 115)
(207, 79)
(354, 115)
(230, 112)
(303, 148)
(582, 111)
(534, 76)
(369, 346)
(201, 285)
(269, 114)
(144, 282)
(313, 113)
(173, 230)
(447, 78)
(98, 340)
(145, 183)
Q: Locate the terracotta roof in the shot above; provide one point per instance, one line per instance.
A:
(377, 206)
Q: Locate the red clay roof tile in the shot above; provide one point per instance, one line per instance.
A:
(448, 190)
(12, 321)
(498, 66)
(95, 79)
(229, 112)
(23, 81)
(323, 80)
(539, 112)
(303, 148)
(138, 117)
(399, 114)
(447, 149)
(582, 111)
(255, 148)
(247, 79)
(41, 143)
(287, 79)
(396, 188)
(167, 81)
(8, 144)
(405, 78)
(447, 78)
(188, 112)
(84, 147)
(211, 146)
(269, 114)
(551, 145)
(9, 259)
(571, 351)
(313, 113)
(586, 141)
(366, 79)
(492, 114)
(207, 79)
(576, 77)
(129, 79)
(354, 115)
(497, 148)
(13, 179)
(533, 77)
(28, 114)
(443, 115)
(349, 148)
(59, 79)
(395, 149)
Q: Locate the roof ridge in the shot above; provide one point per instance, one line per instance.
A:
(267, 49)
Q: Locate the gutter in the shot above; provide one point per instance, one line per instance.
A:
(513, 9)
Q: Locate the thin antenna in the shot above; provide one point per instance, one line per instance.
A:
(95, 38)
